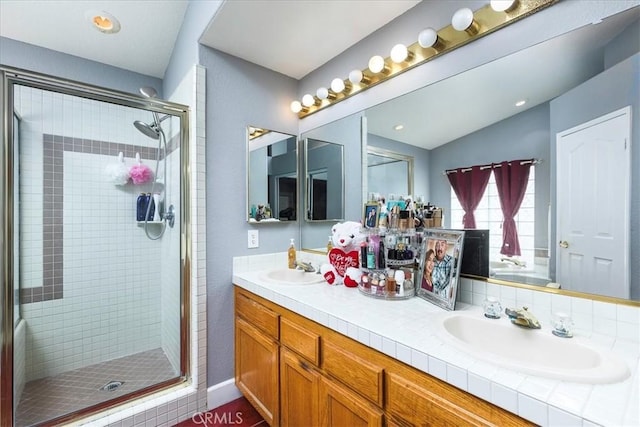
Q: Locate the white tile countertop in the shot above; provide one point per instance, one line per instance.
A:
(407, 331)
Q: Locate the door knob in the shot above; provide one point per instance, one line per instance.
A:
(564, 244)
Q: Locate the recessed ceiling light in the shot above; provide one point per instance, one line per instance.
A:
(103, 22)
(521, 103)
(398, 127)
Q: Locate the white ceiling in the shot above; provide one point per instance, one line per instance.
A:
(274, 34)
(277, 34)
(144, 44)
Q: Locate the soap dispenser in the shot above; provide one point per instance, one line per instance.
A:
(292, 255)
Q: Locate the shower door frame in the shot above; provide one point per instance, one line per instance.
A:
(14, 76)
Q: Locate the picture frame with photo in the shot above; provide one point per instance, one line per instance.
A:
(440, 267)
(371, 215)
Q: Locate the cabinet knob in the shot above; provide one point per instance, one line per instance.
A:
(564, 244)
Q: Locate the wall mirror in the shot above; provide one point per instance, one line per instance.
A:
(324, 175)
(389, 174)
(347, 133)
(272, 176)
(449, 122)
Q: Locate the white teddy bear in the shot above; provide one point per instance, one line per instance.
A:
(344, 259)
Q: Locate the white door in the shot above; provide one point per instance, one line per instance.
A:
(593, 179)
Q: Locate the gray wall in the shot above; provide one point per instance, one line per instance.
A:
(238, 94)
(611, 90)
(525, 135)
(34, 58)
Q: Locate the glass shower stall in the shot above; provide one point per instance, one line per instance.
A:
(94, 307)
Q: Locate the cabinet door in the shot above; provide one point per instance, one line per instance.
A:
(299, 385)
(256, 370)
(341, 407)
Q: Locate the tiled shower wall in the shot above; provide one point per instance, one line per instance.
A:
(91, 280)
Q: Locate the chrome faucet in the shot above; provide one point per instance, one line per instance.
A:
(306, 266)
(522, 317)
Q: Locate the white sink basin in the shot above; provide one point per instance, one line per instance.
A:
(287, 276)
(533, 351)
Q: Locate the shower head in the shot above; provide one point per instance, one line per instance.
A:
(148, 92)
(149, 130)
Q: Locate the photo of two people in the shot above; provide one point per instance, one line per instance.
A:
(439, 273)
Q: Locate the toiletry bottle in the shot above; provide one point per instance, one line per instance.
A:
(141, 206)
(371, 255)
(151, 209)
(329, 245)
(363, 255)
(381, 255)
(292, 255)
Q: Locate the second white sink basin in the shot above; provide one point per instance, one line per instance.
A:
(287, 276)
(532, 351)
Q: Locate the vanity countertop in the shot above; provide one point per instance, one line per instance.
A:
(405, 330)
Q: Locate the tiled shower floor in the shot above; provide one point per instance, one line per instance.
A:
(51, 397)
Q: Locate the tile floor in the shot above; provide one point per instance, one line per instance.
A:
(51, 397)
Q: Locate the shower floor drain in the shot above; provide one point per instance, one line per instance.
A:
(111, 386)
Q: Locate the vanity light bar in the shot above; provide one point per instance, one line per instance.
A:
(257, 132)
(485, 21)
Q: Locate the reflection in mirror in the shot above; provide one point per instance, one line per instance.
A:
(566, 81)
(324, 171)
(272, 176)
(389, 174)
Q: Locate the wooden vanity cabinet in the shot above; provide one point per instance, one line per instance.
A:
(299, 373)
(257, 357)
(299, 391)
(339, 406)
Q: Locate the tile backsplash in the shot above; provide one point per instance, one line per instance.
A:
(591, 318)
(602, 320)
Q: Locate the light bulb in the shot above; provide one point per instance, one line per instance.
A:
(427, 37)
(322, 93)
(376, 64)
(399, 53)
(355, 76)
(502, 5)
(462, 19)
(296, 107)
(337, 85)
(307, 100)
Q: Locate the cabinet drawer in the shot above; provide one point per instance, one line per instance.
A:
(361, 375)
(302, 341)
(258, 315)
(411, 404)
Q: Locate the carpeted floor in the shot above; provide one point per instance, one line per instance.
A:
(237, 413)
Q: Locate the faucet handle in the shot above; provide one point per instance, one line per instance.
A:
(562, 325)
(492, 308)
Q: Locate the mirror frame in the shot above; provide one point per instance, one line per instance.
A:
(307, 205)
(274, 219)
(391, 155)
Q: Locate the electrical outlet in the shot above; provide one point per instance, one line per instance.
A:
(252, 239)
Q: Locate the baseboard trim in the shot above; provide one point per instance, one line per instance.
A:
(221, 393)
